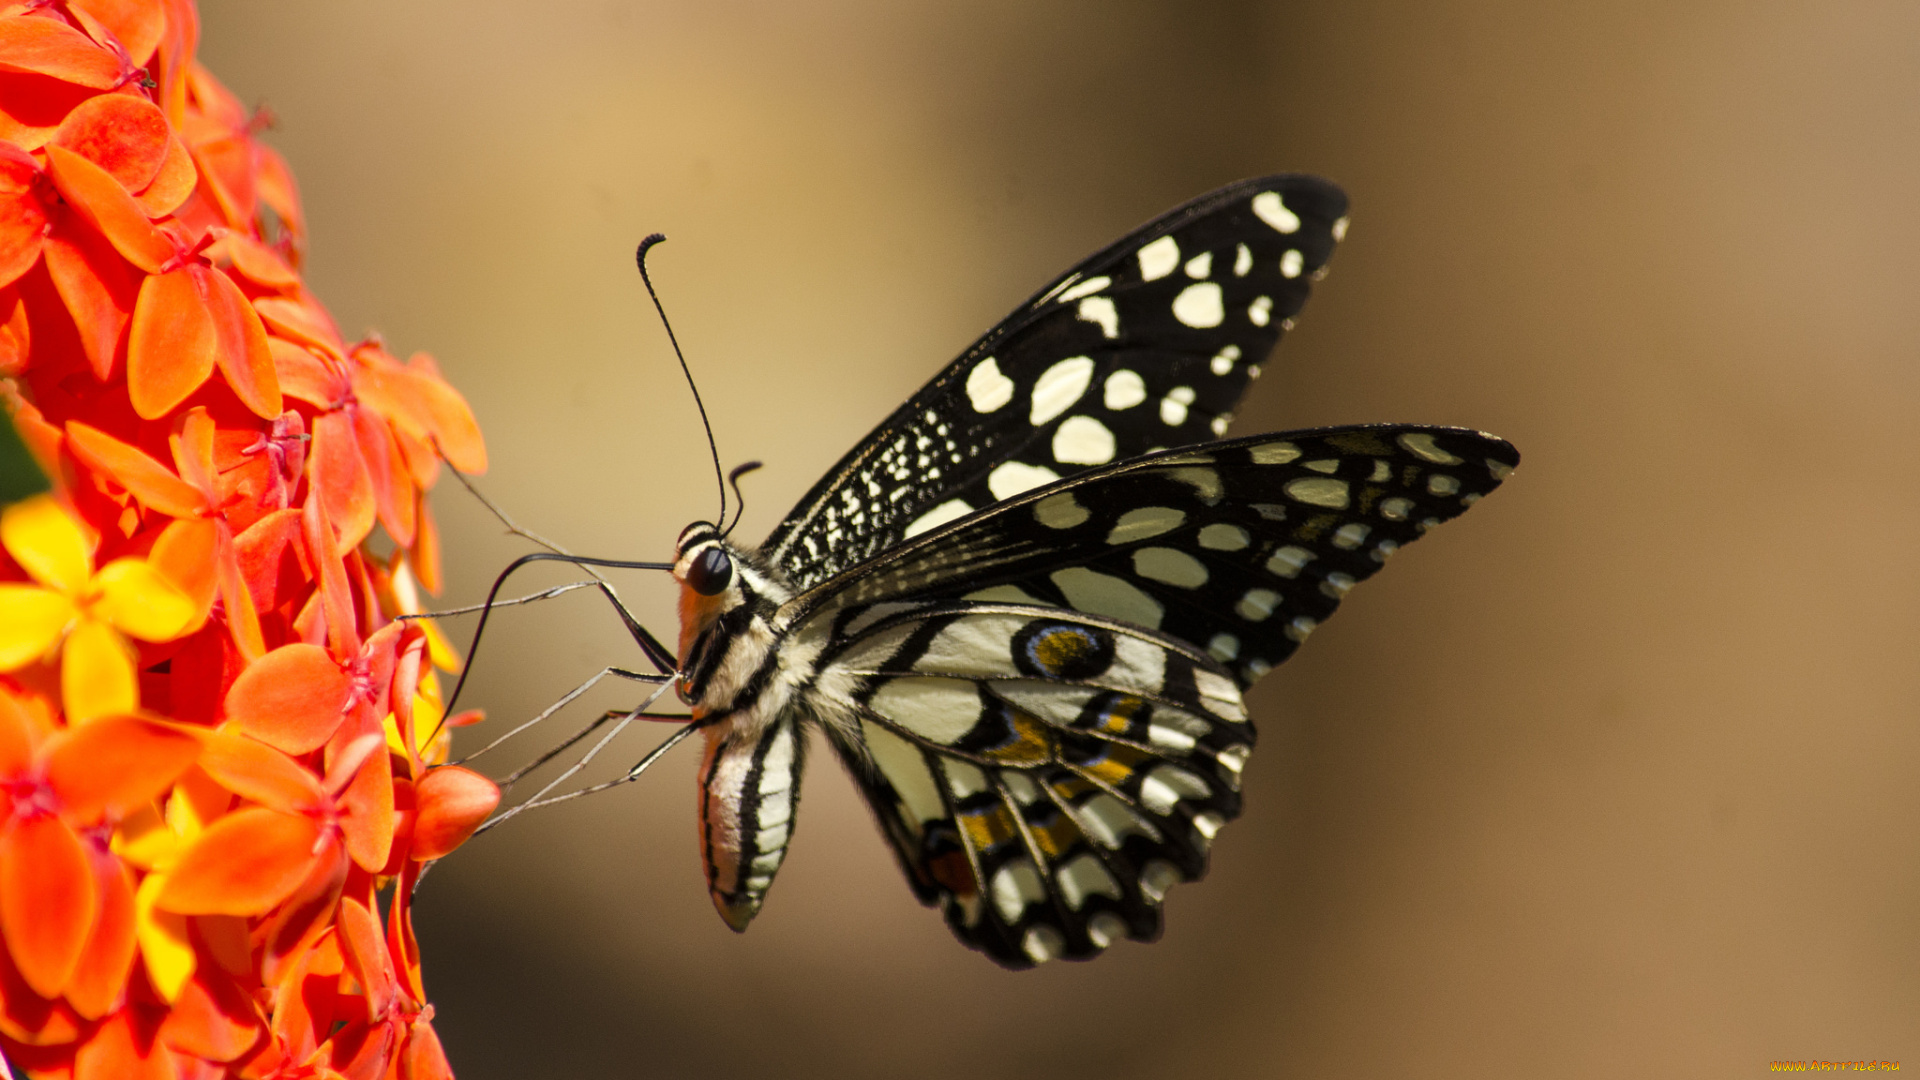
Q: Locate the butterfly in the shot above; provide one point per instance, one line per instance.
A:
(1024, 609)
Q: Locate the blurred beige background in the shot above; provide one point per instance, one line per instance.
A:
(1614, 776)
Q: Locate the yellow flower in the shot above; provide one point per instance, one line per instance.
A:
(80, 614)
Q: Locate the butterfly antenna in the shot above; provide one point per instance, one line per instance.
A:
(733, 480)
(713, 448)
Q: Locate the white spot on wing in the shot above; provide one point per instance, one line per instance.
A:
(1291, 263)
(1260, 312)
(1319, 491)
(1223, 647)
(1100, 309)
(1339, 229)
(1173, 407)
(951, 510)
(1014, 886)
(938, 710)
(1145, 522)
(1103, 594)
(1200, 265)
(1083, 877)
(1269, 207)
(1242, 261)
(1170, 566)
(1158, 259)
(1223, 360)
(1287, 562)
(1421, 445)
(1200, 306)
(1257, 605)
(1060, 511)
(1082, 440)
(1059, 387)
(1086, 288)
(987, 388)
(1223, 537)
(1013, 477)
(1125, 389)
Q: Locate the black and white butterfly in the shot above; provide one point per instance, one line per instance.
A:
(1024, 609)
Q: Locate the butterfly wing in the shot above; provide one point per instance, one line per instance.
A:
(1043, 776)
(1147, 344)
(1042, 702)
(1240, 547)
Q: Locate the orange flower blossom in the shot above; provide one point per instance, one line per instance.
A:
(217, 743)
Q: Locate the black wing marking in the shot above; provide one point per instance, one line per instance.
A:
(1043, 776)
(1147, 344)
(1240, 547)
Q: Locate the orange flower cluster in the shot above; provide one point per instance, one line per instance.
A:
(218, 746)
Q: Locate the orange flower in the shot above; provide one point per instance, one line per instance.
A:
(216, 742)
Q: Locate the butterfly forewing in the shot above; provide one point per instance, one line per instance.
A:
(1147, 344)
(1043, 775)
(1241, 547)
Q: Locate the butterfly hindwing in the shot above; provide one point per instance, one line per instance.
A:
(1146, 344)
(1240, 547)
(1044, 776)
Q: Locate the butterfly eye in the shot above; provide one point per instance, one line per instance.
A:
(710, 573)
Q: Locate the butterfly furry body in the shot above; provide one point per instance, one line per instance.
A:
(1023, 624)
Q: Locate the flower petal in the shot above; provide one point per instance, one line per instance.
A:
(173, 184)
(31, 622)
(184, 553)
(97, 676)
(243, 864)
(16, 735)
(300, 321)
(23, 219)
(43, 539)
(424, 1058)
(138, 599)
(174, 343)
(51, 47)
(123, 134)
(365, 951)
(139, 25)
(305, 376)
(243, 616)
(98, 288)
(212, 1018)
(101, 976)
(253, 770)
(145, 479)
(452, 803)
(164, 941)
(341, 478)
(47, 901)
(336, 599)
(116, 764)
(259, 263)
(367, 820)
(299, 922)
(293, 698)
(243, 354)
(28, 1018)
(121, 1049)
(108, 207)
(392, 484)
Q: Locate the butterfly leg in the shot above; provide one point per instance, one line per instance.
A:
(657, 654)
(623, 719)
